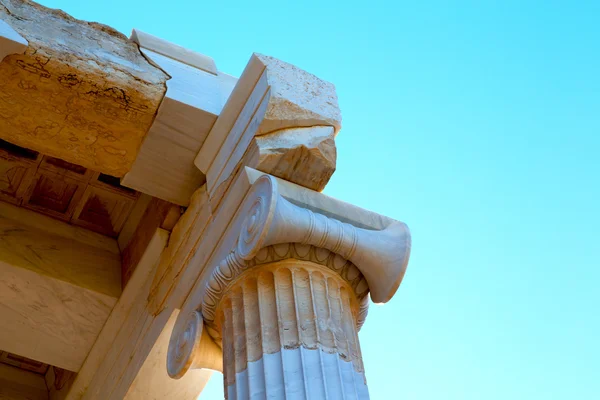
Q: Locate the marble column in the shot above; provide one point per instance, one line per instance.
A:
(290, 330)
(286, 300)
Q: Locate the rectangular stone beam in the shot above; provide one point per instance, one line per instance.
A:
(195, 96)
(279, 119)
(153, 382)
(118, 363)
(58, 285)
(81, 91)
(111, 367)
(131, 335)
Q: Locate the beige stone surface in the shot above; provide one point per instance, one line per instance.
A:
(241, 98)
(55, 249)
(297, 98)
(287, 305)
(133, 221)
(305, 156)
(229, 271)
(324, 204)
(366, 251)
(110, 356)
(260, 127)
(57, 287)
(18, 384)
(271, 219)
(81, 92)
(194, 349)
(152, 381)
(164, 167)
(270, 268)
(182, 241)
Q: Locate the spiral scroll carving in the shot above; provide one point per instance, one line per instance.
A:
(252, 231)
(183, 345)
(271, 219)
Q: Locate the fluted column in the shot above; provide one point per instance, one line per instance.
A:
(290, 332)
(285, 294)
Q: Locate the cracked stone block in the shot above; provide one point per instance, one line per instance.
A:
(305, 156)
(81, 91)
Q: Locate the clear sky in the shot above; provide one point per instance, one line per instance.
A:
(478, 124)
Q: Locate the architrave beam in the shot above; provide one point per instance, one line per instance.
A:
(81, 91)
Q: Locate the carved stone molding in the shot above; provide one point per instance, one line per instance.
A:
(230, 269)
(195, 345)
(381, 256)
(276, 230)
(192, 347)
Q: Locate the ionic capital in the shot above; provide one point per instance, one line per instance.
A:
(380, 255)
(279, 221)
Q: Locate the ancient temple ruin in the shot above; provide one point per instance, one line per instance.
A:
(161, 220)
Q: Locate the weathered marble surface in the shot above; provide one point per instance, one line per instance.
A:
(195, 96)
(16, 384)
(279, 119)
(152, 381)
(296, 320)
(297, 98)
(305, 156)
(81, 92)
(284, 291)
(299, 373)
(58, 285)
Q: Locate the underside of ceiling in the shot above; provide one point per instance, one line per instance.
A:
(63, 190)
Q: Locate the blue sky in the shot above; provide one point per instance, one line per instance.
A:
(478, 124)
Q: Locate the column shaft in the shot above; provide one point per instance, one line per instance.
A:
(290, 332)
